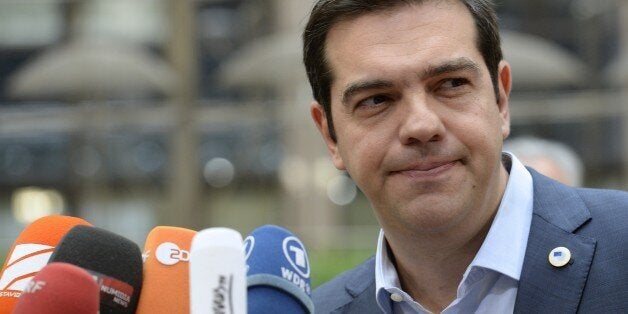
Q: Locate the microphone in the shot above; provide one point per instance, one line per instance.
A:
(166, 288)
(217, 272)
(60, 288)
(30, 253)
(113, 260)
(278, 272)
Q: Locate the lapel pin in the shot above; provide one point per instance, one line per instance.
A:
(559, 256)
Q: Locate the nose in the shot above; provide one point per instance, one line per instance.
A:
(421, 122)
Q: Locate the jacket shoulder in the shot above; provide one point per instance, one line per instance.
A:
(598, 198)
(344, 288)
(609, 212)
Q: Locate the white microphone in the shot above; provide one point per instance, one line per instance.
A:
(217, 272)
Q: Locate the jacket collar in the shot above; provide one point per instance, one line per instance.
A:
(361, 288)
(558, 204)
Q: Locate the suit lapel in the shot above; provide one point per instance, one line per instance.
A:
(360, 287)
(558, 213)
(364, 303)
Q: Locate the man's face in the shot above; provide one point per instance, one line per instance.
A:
(418, 126)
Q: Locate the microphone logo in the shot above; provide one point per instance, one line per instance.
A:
(223, 298)
(295, 253)
(34, 286)
(25, 261)
(170, 254)
(249, 243)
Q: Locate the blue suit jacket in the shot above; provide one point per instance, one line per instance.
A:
(592, 224)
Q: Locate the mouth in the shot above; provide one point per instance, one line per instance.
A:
(430, 169)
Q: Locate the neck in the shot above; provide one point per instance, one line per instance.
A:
(431, 273)
(430, 266)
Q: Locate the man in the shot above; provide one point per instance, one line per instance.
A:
(553, 159)
(412, 101)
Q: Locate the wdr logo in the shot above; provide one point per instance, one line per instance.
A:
(295, 253)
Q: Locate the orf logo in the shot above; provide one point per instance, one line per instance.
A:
(169, 253)
(34, 286)
(295, 253)
(25, 261)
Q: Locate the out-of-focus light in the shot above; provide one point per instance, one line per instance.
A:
(89, 162)
(219, 172)
(587, 9)
(17, 160)
(218, 23)
(32, 203)
(324, 171)
(144, 21)
(294, 174)
(341, 190)
(149, 156)
(270, 156)
(30, 23)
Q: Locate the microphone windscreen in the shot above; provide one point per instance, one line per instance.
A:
(278, 277)
(60, 288)
(30, 253)
(166, 287)
(115, 261)
(217, 272)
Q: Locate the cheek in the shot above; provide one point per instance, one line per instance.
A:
(489, 123)
(482, 136)
(361, 155)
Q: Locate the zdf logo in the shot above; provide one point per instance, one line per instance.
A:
(169, 254)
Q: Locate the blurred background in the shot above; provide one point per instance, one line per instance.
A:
(138, 113)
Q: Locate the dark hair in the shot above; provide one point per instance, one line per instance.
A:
(328, 12)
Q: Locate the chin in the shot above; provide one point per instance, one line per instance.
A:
(431, 218)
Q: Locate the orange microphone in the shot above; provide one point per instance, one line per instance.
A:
(165, 287)
(30, 253)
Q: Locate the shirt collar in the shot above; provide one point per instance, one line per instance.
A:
(502, 251)
(504, 248)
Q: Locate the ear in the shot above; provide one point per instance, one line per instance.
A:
(505, 84)
(320, 119)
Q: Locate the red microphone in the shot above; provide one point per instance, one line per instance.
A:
(60, 288)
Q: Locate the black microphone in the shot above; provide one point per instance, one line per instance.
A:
(114, 261)
(278, 275)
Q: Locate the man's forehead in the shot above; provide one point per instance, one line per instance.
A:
(354, 35)
(402, 25)
(421, 11)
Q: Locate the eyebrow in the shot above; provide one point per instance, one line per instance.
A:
(455, 65)
(360, 86)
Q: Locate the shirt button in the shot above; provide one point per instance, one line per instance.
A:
(396, 297)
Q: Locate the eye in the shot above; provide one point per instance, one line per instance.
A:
(453, 87)
(454, 82)
(373, 101)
